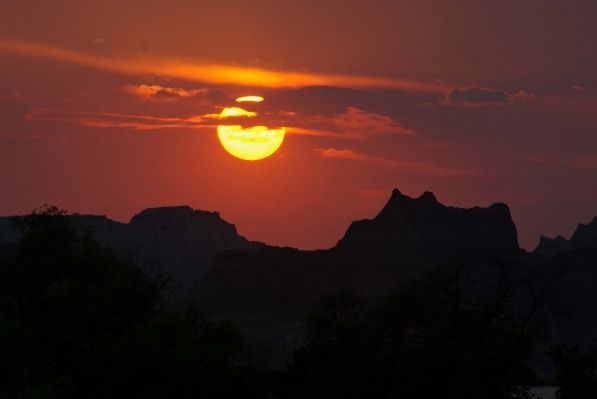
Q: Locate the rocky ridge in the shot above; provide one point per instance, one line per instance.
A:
(584, 236)
(179, 241)
(410, 235)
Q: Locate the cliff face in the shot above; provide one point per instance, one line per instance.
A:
(584, 236)
(180, 241)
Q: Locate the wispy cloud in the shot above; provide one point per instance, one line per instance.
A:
(352, 124)
(111, 120)
(576, 162)
(132, 122)
(200, 71)
(161, 93)
(419, 168)
(474, 96)
(360, 122)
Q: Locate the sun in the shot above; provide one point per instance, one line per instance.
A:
(252, 143)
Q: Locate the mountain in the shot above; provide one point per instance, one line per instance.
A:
(584, 236)
(421, 224)
(277, 287)
(180, 241)
(408, 236)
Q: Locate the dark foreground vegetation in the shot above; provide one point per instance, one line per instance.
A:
(77, 321)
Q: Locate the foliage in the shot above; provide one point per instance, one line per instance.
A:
(577, 372)
(77, 321)
(432, 338)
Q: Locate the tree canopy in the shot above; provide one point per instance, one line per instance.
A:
(78, 321)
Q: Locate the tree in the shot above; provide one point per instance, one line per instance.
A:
(76, 320)
(577, 372)
(456, 332)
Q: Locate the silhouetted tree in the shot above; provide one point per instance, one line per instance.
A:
(577, 372)
(77, 321)
(436, 337)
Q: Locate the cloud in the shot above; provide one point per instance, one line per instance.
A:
(132, 122)
(419, 168)
(201, 71)
(360, 122)
(577, 88)
(232, 112)
(474, 96)
(352, 124)
(425, 105)
(161, 93)
(575, 162)
(28, 140)
(98, 40)
(17, 96)
(112, 120)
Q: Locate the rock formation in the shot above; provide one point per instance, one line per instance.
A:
(584, 236)
(408, 236)
(421, 224)
(179, 241)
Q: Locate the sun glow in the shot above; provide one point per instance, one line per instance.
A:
(252, 143)
(235, 111)
(255, 99)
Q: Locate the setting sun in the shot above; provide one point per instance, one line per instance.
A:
(250, 144)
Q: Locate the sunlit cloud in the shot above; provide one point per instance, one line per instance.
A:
(360, 122)
(474, 96)
(132, 122)
(419, 168)
(231, 113)
(578, 88)
(575, 162)
(113, 120)
(161, 93)
(352, 124)
(201, 71)
(98, 40)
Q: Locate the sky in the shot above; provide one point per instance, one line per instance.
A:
(110, 108)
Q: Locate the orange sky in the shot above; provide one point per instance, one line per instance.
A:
(110, 108)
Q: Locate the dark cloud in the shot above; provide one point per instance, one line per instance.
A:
(477, 95)
(474, 96)
(322, 100)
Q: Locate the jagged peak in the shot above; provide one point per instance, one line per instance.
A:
(428, 197)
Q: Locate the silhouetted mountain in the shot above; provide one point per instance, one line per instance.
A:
(584, 236)
(180, 241)
(409, 236)
(423, 224)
